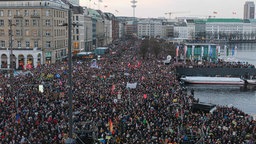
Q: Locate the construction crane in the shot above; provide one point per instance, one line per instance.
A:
(171, 13)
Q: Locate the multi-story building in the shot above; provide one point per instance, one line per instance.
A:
(81, 29)
(87, 30)
(114, 35)
(150, 27)
(249, 10)
(219, 28)
(184, 30)
(32, 28)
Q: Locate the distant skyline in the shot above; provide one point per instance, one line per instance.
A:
(180, 8)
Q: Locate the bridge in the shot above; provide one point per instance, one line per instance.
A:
(215, 71)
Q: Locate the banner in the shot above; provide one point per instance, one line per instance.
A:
(94, 64)
(131, 85)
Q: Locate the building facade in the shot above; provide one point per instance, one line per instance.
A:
(150, 27)
(32, 28)
(249, 10)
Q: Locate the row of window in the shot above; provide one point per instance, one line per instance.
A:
(34, 33)
(26, 12)
(27, 44)
(19, 22)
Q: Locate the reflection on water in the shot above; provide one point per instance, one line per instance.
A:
(238, 96)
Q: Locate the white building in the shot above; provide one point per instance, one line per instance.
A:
(184, 30)
(150, 27)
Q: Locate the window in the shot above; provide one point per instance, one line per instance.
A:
(48, 44)
(47, 12)
(17, 12)
(18, 32)
(77, 37)
(2, 44)
(77, 31)
(1, 13)
(34, 22)
(36, 44)
(1, 32)
(27, 32)
(35, 33)
(19, 44)
(9, 13)
(1, 22)
(47, 22)
(26, 13)
(17, 22)
(35, 13)
(77, 18)
(26, 22)
(47, 33)
(27, 44)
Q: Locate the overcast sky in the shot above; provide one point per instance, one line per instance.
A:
(179, 8)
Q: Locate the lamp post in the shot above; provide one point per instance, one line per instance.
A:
(10, 67)
(70, 140)
(70, 96)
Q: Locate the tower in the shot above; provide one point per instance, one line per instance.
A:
(249, 10)
(134, 22)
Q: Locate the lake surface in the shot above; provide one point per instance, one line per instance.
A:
(238, 96)
(246, 52)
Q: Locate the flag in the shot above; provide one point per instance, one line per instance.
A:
(215, 12)
(117, 11)
(210, 51)
(110, 125)
(202, 51)
(234, 13)
(233, 51)
(177, 51)
(185, 50)
(17, 118)
(94, 64)
(105, 6)
(113, 88)
(100, 0)
(177, 113)
(145, 96)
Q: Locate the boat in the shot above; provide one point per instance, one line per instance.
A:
(251, 81)
(213, 80)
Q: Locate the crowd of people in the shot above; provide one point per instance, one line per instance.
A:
(123, 100)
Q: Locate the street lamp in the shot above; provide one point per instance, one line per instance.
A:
(70, 140)
(10, 67)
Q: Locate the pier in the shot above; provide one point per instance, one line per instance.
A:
(215, 71)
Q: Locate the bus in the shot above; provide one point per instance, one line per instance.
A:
(84, 56)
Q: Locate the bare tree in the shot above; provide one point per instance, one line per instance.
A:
(144, 47)
(155, 46)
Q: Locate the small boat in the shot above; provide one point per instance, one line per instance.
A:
(213, 80)
(251, 81)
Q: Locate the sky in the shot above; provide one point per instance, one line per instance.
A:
(177, 8)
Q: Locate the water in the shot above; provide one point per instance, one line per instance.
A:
(237, 96)
(246, 52)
